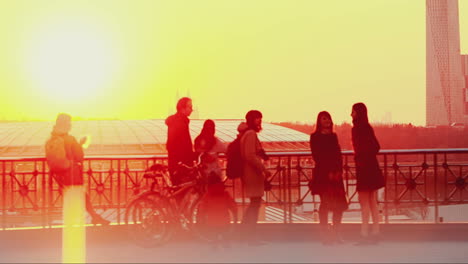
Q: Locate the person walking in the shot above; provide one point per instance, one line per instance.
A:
(68, 170)
(327, 180)
(368, 173)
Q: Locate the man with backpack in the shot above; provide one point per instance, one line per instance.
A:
(254, 174)
(65, 156)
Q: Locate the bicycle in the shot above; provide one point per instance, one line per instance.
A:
(155, 215)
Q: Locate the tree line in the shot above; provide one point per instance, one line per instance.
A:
(398, 136)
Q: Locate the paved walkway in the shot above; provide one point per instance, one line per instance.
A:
(275, 252)
(291, 245)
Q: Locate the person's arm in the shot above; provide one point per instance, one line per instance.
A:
(315, 148)
(77, 150)
(338, 165)
(219, 147)
(357, 140)
(375, 143)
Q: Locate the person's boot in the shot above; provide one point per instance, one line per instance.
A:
(374, 239)
(253, 238)
(363, 241)
(97, 219)
(336, 235)
(326, 235)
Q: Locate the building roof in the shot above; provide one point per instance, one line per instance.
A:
(133, 137)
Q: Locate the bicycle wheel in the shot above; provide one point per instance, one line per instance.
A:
(209, 229)
(147, 222)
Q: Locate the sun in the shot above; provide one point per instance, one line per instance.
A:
(70, 60)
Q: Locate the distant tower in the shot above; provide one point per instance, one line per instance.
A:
(195, 113)
(465, 75)
(445, 100)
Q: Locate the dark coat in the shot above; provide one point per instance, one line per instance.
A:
(327, 156)
(179, 143)
(366, 146)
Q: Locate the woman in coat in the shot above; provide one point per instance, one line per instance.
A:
(368, 174)
(254, 174)
(327, 180)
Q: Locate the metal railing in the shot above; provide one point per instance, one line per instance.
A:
(419, 183)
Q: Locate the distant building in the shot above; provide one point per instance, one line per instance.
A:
(445, 85)
(465, 75)
(387, 118)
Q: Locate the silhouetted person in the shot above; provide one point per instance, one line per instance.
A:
(179, 143)
(368, 174)
(207, 145)
(254, 174)
(73, 174)
(327, 180)
(214, 211)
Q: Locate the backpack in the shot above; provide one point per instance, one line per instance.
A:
(234, 162)
(56, 154)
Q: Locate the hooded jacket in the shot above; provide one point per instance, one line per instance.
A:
(179, 143)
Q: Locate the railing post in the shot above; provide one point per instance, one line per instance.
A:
(385, 190)
(44, 197)
(3, 194)
(288, 191)
(283, 191)
(50, 195)
(436, 195)
(119, 189)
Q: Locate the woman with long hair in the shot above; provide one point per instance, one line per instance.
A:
(216, 204)
(368, 174)
(327, 180)
(207, 147)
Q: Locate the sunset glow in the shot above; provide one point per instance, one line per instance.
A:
(132, 60)
(69, 61)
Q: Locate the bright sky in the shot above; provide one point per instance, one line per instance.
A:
(289, 59)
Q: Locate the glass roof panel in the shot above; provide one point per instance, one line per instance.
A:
(132, 136)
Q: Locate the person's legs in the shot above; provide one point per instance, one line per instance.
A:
(325, 235)
(337, 216)
(323, 211)
(251, 213)
(365, 212)
(374, 212)
(95, 218)
(250, 218)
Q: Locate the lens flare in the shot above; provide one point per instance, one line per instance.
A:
(74, 235)
(70, 60)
